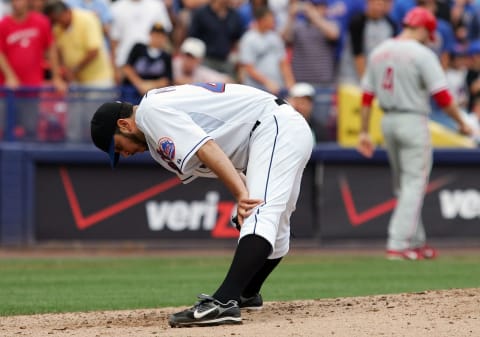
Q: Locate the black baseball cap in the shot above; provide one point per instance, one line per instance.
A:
(157, 28)
(103, 126)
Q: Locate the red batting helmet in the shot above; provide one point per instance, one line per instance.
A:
(421, 17)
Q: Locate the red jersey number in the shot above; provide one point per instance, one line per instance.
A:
(387, 83)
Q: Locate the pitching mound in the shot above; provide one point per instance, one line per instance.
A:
(433, 313)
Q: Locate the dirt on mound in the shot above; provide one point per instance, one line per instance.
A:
(433, 313)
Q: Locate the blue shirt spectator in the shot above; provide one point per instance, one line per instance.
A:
(400, 8)
(465, 13)
(99, 7)
(245, 12)
(444, 41)
(341, 11)
(101, 10)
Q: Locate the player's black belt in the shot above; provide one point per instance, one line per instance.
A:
(278, 101)
(395, 110)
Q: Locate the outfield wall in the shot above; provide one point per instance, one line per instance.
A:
(68, 193)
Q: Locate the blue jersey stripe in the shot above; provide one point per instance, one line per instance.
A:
(192, 150)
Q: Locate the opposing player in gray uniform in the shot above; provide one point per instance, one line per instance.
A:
(403, 73)
(222, 131)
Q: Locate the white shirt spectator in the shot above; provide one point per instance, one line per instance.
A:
(132, 21)
(280, 10)
(188, 68)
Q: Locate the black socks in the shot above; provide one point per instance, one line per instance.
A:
(256, 283)
(249, 259)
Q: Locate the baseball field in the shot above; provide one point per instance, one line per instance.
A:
(312, 293)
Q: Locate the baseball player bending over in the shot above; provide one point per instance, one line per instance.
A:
(402, 73)
(222, 131)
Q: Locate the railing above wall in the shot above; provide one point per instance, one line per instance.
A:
(43, 114)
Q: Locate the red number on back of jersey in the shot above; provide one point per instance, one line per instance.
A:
(387, 83)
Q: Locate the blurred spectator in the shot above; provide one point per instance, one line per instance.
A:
(182, 19)
(188, 67)
(132, 21)
(473, 78)
(444, 36)
(37, 5)
(79, 38)
(460, 33)
(342, 11)
(369, 29)
(301, 96)
(148, 66)
(399, 9)
(4, 10)
(246, 10)
(172, 7)
(457, 75)
(86, 63)
(262, 56)
(463, 13)
(312, 36)
(220, 27)
(443, 9)
(101, 9)
(280, 9)
(25, 39)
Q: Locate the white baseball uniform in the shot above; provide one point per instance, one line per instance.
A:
(269, 141)
(402, 74)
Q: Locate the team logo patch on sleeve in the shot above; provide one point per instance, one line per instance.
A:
(166, 148)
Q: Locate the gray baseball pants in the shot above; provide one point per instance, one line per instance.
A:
(409, 148)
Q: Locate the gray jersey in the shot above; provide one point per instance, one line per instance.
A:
(265, 52)
(402, 74)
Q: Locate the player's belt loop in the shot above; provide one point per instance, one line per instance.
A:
(257, 123)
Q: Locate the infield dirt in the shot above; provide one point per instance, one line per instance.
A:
(444, 313)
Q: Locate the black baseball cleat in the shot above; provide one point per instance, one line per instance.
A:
(206, 312)
(251, 303)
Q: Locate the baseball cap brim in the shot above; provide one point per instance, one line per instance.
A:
(114, 156)
(103, 126)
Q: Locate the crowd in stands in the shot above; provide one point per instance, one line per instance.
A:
(136, 45)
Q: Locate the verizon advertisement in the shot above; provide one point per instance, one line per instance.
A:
(356, 201)
(88, 202)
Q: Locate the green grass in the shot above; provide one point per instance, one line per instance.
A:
(41, 285)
